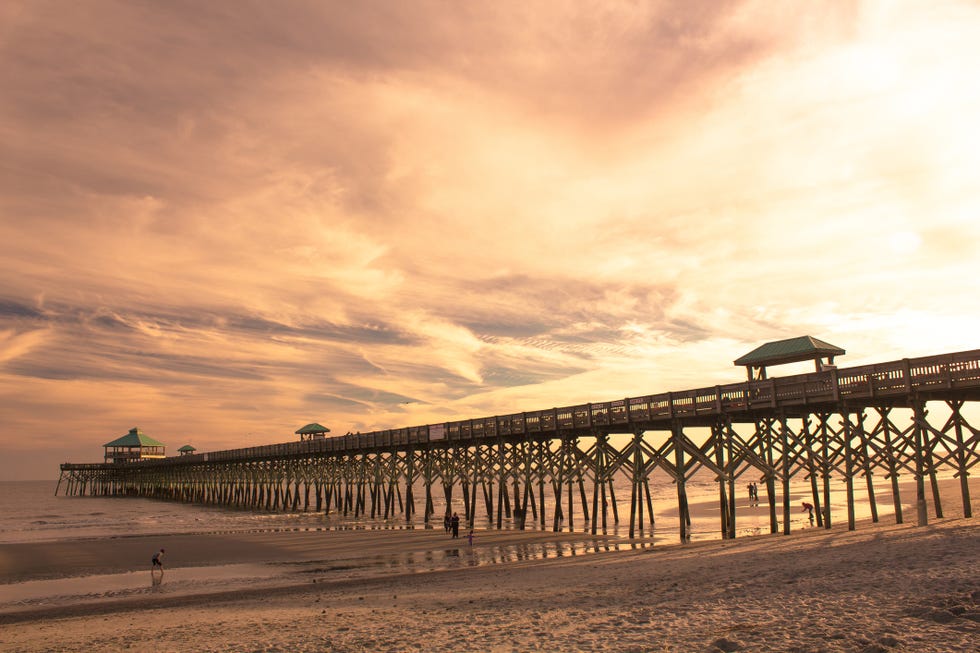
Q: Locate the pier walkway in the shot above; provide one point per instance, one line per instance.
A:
(905, 417)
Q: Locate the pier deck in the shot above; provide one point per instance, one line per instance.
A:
(839, 423)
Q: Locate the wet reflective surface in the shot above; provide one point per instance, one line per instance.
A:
(459, 555)
(196, 580)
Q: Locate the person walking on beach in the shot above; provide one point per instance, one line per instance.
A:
(157, 561)
(808, 508)
(446, 523)
(469, 537)
(455, 524)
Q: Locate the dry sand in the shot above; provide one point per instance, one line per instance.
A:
(883, 587)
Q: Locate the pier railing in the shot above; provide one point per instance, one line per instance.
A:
(833, 424)
(893, 383)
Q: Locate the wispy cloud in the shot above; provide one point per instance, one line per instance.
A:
(221, 221)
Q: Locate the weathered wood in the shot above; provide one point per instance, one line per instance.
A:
(920, 489)
(684, 515)
(962, 465)
(849, 474)
(785, 458)
(753, 432)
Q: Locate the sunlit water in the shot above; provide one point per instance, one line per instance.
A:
(191, 580)
(30, 512)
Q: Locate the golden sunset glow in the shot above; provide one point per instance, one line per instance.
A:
(222, 221)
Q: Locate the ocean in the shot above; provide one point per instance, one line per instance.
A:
(30, 512)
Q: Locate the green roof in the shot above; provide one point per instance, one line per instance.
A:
(792, 350)
(135, 438)
(312, 428)
(187, 447)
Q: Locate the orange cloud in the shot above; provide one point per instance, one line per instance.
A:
(221, 221)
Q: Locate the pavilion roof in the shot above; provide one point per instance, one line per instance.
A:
(312, 428)
(135, 438)
(187, 447)
(791, 350)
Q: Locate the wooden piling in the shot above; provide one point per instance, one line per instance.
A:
(752, 434)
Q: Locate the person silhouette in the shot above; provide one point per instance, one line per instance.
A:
(157, 561)
(808, 508)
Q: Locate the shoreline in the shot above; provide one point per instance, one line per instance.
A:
(66, 559)
(880, 587)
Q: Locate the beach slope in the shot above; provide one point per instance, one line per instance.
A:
(883, 587)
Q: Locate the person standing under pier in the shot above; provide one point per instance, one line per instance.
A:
(808, 508)
(157, 561)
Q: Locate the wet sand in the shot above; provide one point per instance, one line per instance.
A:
(882, 587)
(51, 560)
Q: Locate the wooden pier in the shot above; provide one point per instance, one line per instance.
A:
(902, 418)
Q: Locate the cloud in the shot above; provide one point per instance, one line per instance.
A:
(234, 218)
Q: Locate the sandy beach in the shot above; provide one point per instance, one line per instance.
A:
(882, 587)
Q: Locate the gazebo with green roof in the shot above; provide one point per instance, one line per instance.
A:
(791, 350)
(132, 447)
(186, 450)
(311, 431)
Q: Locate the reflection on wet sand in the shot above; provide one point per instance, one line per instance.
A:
(469, 556)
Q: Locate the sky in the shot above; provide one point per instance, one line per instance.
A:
(221, 221)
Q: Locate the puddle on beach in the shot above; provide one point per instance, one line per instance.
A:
(753, 520)
(102, 587)
(200, 580)
(455, 556)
